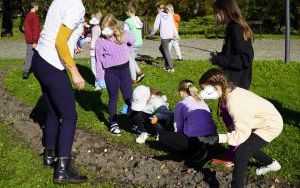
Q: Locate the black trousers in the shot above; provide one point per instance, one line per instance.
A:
(61, 117)
(190, 148)
(250, 148)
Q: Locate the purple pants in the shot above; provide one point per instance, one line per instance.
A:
(116, 78)
(61, 117)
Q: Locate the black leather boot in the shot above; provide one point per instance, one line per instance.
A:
(64, 172)
(49, 157)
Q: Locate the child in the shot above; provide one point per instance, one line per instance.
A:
(96, 32)
(237, 53)
(192, 119)
(113, 53)
(167, 29)
(175, 43)
(134, 25)
(146, 103)
(256, 123)
(32, 34)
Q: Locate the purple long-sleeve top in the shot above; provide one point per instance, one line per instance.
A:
(110, 54)
(193, 118)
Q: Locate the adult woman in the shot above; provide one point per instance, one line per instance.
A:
(54, 52)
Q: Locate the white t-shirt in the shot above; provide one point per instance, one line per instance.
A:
(67, 12)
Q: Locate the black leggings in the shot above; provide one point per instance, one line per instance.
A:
(61, 117)
(250, 148)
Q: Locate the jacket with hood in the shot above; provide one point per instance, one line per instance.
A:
(135, 25)
(165, 23)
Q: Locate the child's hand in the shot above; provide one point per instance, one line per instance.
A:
(153, 119)
(78, 50)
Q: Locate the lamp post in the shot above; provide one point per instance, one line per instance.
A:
(287, 32)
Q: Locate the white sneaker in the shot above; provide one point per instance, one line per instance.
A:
(275, 166)
(142, 138)
(97, 88)
(171, 70)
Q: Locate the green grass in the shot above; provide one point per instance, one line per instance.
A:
(198, 28)
(20, 166)
(271, 79)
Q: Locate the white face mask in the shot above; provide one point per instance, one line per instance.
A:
(108, 32)
(209, 92)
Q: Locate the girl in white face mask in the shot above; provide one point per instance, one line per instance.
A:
(254, 123)
(112, 54)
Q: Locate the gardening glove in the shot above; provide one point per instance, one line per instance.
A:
(153, 119)
(101, 84)
(124, 109)
(211, 140)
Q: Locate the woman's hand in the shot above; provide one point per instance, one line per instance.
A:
(77, 78)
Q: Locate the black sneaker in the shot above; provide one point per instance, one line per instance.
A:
(115, 130)
(25, 75)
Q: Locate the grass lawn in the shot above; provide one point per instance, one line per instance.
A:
(271, 79)
(20, 166)
(185, 28)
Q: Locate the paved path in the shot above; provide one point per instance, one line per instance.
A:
(193, 49)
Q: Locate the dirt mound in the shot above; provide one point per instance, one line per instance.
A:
(118, 164)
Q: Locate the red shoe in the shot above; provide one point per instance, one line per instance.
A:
(226, 164)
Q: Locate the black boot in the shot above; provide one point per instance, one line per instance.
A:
(49, 157)
(64, 173)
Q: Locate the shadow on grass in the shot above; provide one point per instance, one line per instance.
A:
(289, 116)
(148, 60)
(91, 101)
(87, 74)
(38, 114)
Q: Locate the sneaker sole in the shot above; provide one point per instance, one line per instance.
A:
(116, 134)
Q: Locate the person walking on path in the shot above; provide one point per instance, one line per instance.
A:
(32, 34)
(165, 23)
(63, 25)
(237, 53)
(175, 43)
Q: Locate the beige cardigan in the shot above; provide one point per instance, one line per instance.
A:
(251, 113)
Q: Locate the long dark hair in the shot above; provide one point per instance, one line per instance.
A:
(231, 9)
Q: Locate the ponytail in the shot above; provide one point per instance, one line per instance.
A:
(189, 87)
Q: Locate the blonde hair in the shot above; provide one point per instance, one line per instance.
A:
(189, 87)
(98, 15)
(233, 12)
(170, 8)
(110, 21)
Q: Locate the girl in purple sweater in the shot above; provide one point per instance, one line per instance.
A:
(192, 119)
(112, 54)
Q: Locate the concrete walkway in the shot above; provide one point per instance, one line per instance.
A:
(192, 49)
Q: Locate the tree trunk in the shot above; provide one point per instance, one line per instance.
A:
(7, 21)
